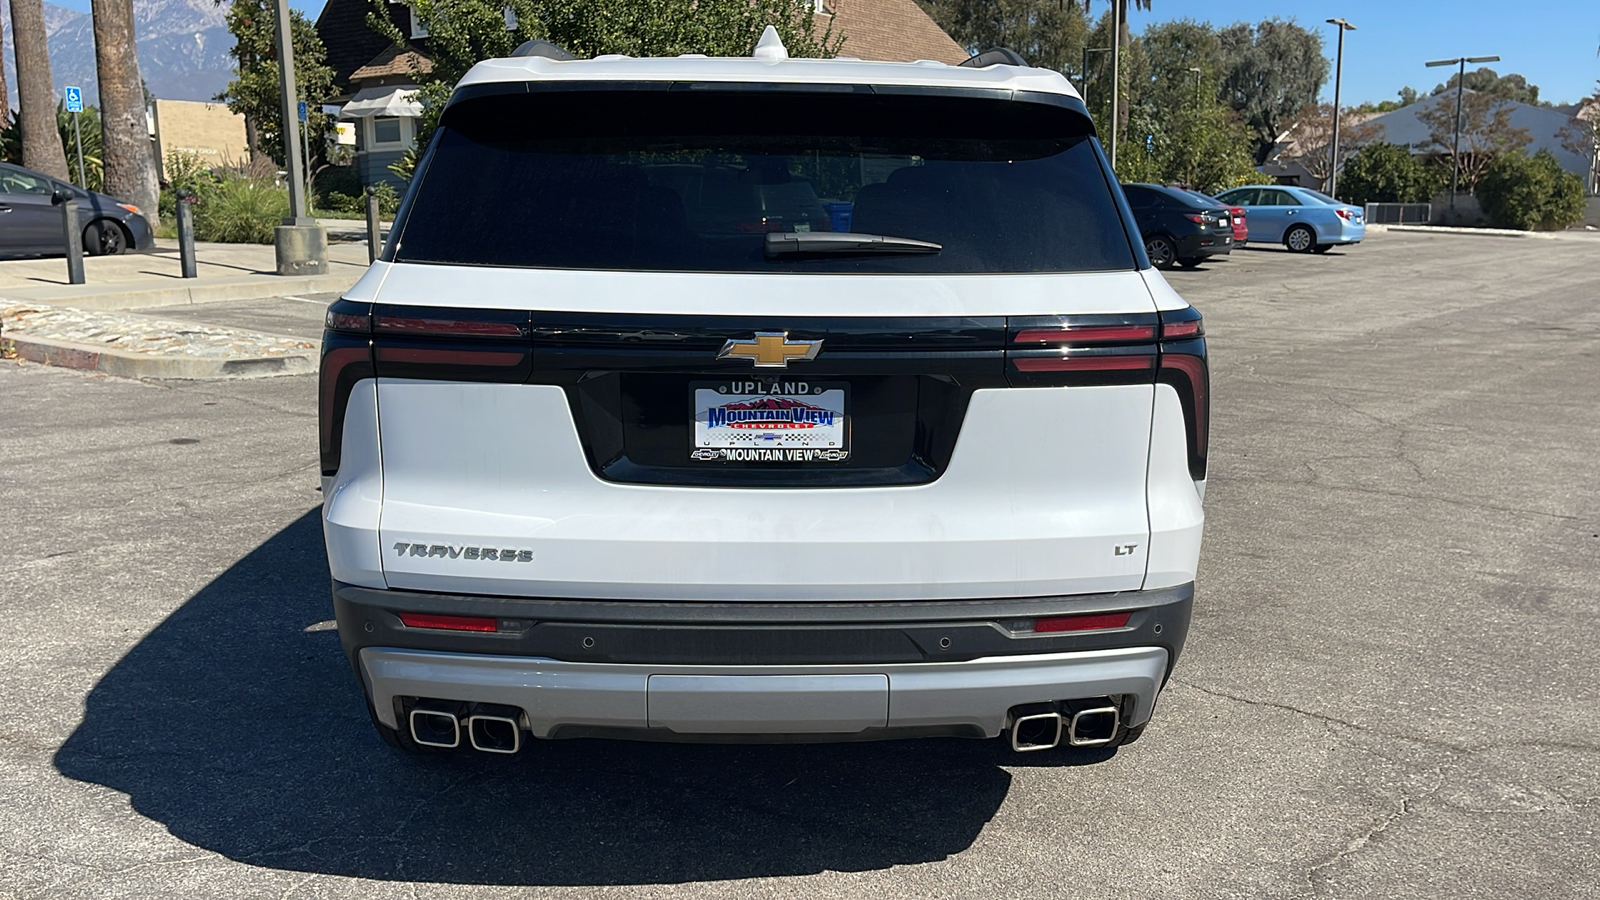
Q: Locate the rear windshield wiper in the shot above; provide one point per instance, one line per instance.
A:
(796, 243)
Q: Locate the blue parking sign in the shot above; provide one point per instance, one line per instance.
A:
(74, 100)
(302, 110)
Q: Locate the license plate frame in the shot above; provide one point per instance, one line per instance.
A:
(770, 420)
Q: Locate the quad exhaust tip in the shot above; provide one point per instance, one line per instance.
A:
(495, 729)
(1090, 723)
(435, 728)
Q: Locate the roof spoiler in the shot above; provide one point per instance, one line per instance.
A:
(995, 56)
(543, 49)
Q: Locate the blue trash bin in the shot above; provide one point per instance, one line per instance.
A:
(839, 213)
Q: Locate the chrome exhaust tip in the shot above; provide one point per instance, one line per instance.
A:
(1040, 731)
(495, 729)
(435, 728)
(1093, 727)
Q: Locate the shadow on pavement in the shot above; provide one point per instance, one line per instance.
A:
(243, 732)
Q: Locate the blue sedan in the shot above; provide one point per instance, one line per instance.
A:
(1302, 219)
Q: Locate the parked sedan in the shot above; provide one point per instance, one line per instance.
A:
(1177, 227)
(30, 222)
(1241, 231)
(1303, 220)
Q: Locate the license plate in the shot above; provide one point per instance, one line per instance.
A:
(778, 421)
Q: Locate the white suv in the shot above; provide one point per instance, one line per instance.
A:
(784, 399)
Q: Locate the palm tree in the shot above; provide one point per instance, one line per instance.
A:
(130, 164)
(36, 101)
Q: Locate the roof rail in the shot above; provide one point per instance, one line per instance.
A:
(994, 56)
(544, 49)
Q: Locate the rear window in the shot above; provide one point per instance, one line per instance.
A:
(689, 179)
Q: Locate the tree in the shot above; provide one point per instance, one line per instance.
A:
(256, 92)
(1270, 72)
(1581, 136)
(1408, 96)
(130, 165)
(1387, 173)
(1486, 131)
(1049, 34)
(1311, 134)
(1172, 50)
(41, 143)
(1486, 81)
(1519, 191)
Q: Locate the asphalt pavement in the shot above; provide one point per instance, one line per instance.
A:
(1389, 689)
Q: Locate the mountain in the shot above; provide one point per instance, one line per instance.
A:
(183, 49)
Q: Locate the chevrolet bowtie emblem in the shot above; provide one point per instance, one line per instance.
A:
(771, 349)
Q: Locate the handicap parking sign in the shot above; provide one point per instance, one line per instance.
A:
(74, 100)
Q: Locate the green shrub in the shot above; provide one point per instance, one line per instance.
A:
(1530, 192)
(1386, 173)
(240, 210)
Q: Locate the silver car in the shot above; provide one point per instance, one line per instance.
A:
(1301, 219)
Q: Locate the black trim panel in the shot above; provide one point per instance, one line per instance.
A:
(692, 633)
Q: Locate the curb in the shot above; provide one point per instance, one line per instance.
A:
(1481, 232)
(68, 355)
(137, 295)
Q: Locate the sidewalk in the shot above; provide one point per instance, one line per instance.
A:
(137, 280)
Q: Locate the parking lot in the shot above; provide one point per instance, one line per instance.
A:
(1389, 689)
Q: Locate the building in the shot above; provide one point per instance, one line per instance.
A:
(377, 79)
(1545, 126)
(207, 131)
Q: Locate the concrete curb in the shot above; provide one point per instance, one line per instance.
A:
(140, 294)
(1480, 232)
(66, 354)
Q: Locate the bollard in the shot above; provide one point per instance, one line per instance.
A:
(374, 240)
(69, 227)
(186, 237)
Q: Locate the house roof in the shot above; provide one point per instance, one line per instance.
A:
(395, 61)
(1404, 127)
(892, 30)
(350, 42)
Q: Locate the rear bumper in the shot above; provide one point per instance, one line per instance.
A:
(1209, 244)
(829, 670)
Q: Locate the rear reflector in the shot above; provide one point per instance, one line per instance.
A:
(1083, 363)
(1082, 623)
(448, 623)
(1087, 334)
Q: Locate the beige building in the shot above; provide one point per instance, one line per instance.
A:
(208, 130)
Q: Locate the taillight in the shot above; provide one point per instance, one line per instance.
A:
(448, 623)
(1082, 350)
(1183, 366)
(1343, 213)
(346, 359)
(454, 344)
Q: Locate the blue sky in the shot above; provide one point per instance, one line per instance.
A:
(1551, 42)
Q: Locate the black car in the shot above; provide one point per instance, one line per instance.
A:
(30, 222)
(1177, 226)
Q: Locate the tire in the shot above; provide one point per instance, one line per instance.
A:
(1322, 248)
(1300, 239)
(1191, 262)
(1161, 251)
(105, 238)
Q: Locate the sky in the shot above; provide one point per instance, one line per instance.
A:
(1550, 42)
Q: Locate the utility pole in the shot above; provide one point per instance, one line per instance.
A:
(1116, 54)
(302, 246)
(1455, 149)
(1338, 75)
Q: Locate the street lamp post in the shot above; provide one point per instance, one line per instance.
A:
(1338, 76)
(1455, 148)
(1197, 73)
(1116, 45)
(301, 246)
